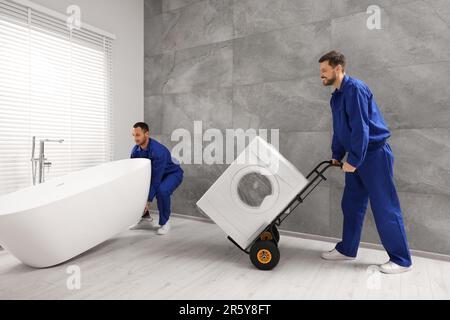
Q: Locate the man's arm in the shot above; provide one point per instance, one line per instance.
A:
(337, 149)
(158, 165)
(357, 108)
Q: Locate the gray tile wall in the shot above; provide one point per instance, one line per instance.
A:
(253, 64)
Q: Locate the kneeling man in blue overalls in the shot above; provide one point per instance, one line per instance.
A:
(361, 132)
(166, 176)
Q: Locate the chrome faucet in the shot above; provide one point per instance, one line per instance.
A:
(41, 162)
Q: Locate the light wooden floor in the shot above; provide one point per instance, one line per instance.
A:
(195, 261)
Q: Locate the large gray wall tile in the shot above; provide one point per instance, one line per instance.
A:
(427, 220)
(342, 8)
(157, 72)
(168, 5)
(293, 105)
(422, 160)
(201, 23)
(182, 71)
(252, 16)
(441, 8)
(305, 150)
(153, 41)
(411, 34)
(153, 113)
(207, 66)
(280, 55)
(152, 8)
(213, 107)
(412, 96)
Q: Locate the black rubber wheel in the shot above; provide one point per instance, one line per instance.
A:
(264, 255)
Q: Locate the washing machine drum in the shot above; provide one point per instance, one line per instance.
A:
(253, 188)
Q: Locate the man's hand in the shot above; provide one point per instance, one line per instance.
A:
(348, 167)
(334, 161)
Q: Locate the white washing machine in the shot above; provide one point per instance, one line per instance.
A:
(252, 192)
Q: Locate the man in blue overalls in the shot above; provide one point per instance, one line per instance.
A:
(166, 176)
(360, 130)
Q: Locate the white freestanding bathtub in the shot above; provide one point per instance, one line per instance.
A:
(50, 223)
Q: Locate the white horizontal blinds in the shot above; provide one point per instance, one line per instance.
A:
(13, 11)
(14, 106)
(108, 49)
(54, 83)
(49, 95)
(89, 108)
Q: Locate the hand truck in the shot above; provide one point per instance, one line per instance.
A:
(263, 251)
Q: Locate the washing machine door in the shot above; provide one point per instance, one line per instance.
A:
(254, 189)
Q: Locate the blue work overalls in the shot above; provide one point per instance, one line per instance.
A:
(360, 130)
(166, 176)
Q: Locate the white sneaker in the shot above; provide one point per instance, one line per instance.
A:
(393, 268)
(335, 256)
(145, 223)
(164, 229)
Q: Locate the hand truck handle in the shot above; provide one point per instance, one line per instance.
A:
(329, 163)
(339, 164)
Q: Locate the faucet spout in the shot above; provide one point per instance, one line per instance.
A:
(53, 140)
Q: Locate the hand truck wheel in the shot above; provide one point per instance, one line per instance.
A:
(273, 235)
(264, 254)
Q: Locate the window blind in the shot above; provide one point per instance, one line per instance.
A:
(56, 84)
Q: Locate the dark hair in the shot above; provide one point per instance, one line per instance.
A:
(142, 125)
(334, 58)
